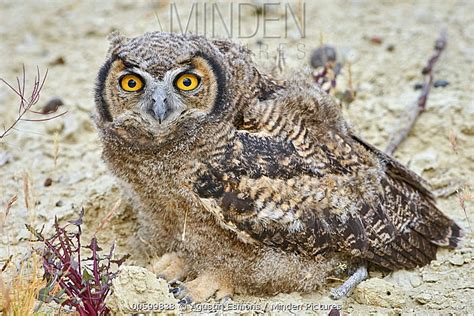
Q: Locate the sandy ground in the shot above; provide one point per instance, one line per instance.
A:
(68, 38)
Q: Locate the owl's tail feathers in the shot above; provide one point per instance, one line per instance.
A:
(452, 237)
(418, 245)
(439, 229)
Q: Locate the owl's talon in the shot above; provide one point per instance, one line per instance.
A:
(225, 300)
(170, 266)
(175, 283)
(350, 284)
(178, 289)
(175, 291)
(186, 300)
(200, 289)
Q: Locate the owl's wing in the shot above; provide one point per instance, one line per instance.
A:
(283, 184)
(426, 219)
(265, 192)
(398, 171)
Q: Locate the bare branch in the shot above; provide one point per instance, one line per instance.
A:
(25, 105)
(397, 138)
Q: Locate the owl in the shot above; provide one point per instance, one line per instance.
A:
(246, 184)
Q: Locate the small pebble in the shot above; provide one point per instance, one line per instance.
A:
(48, 182)
(59, 203)
(376, 40)
(322, 55)
(423, 298)
(4, 157)
(430, 277)
(440, 83)
(418, 86)
(457, 260)
(52, 105)
(391, 48)
(58, 61)
(415, 280)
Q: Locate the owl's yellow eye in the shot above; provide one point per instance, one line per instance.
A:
(131, 83)
(187, 81)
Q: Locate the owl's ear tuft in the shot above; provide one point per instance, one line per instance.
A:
(116, 39)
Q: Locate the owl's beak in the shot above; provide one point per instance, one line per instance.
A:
(159, 109)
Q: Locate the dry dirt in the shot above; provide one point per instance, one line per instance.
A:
(68, 38)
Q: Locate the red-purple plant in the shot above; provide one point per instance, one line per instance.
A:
(84, 283)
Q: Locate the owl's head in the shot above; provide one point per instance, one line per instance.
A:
(157, 81)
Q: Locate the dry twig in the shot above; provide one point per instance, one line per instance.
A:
(4, 215)
(453, 141)
(10, 203)
(464, 194)
(26, 190)
(398, 137)
(26, 104)
(106, 220)
(6, 264)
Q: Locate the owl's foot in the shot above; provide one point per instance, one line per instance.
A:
(170, 266)
(346, 288)
(200, 289)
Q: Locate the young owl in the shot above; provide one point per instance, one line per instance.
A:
(248, 185)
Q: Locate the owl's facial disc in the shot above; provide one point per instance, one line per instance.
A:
(191, 87)
(160, 94)
(170, 103)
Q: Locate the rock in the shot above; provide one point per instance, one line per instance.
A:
(379, 292)
(405, 279)
(137, 285)
(52, 105)
(400, 278)
(58, 60)
(440, 83)
(415, 280)
(426, 160)
(5, 157)
(430, 277)
(48, 182)
(322, 55)
(418, 86)
(377, 40)
(457, 260)
(423, 298)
